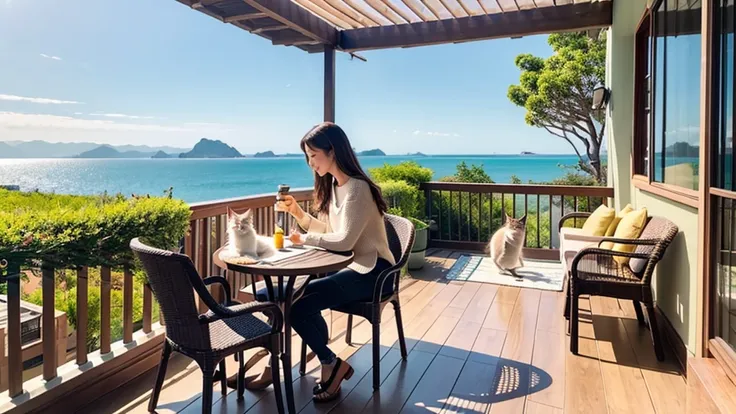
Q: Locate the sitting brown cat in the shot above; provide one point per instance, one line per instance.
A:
(506, 244)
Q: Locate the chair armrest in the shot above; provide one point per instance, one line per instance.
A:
(225, 285)
(636, 242)
(574, 215)
(381, 280)
(223, 312)
(600, 253)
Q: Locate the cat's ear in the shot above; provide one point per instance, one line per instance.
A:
(230, 213)
(523, 219)
(248, 215)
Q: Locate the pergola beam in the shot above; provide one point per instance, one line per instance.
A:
(297, 18)
(247, 16)
(551, 19)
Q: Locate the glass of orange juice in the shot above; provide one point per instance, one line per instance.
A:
(278, 238)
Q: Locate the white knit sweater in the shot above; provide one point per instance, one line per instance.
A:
(354, 224)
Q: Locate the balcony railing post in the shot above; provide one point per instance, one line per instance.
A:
(15, 352)
(105, 309)
(48, 336)
(82, 315)
(127, 305)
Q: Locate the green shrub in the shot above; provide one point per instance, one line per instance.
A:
(69, 231)
(409, 171)
(465, 174)
(402, 198)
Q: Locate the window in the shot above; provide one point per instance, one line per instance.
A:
(642, 91)
(667, 96)
(724, 303)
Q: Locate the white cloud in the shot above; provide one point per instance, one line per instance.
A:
(43, 55)
(288, 85)
(123, 116)
(436, 134)
(35, 100)
(15, 120)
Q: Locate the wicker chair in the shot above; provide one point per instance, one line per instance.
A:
(593, 271)
(400, 234)
(210, 337)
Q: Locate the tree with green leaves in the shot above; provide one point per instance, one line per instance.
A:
(557, 94)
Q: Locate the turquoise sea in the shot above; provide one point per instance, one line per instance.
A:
(197, 180)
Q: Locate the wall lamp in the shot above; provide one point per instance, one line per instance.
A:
(601, 95)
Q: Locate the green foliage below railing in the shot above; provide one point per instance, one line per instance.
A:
(66, 231)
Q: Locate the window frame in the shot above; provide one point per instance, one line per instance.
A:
(641, 181)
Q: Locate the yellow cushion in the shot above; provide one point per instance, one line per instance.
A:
(598, 222)
(630, 227)
(614, 223)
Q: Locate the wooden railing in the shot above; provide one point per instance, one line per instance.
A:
(208, 230)
(466, 215)
(140, 339)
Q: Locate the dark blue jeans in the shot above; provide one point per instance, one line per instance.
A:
(331, 291)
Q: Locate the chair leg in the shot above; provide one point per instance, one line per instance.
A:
(223, 378)
(275, 346)
(303, 361)
(376, 355)
(165, 354)
(574, 322)
(349, 332)
(241, 375)
(207, 374)
(639, 313)
(653, 328)
(400, 328)
(567, 300)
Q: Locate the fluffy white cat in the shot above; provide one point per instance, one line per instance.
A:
(242, 238)
(506, 244)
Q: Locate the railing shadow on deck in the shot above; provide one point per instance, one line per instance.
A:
(510, 379)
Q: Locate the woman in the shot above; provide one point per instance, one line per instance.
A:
(351, 209)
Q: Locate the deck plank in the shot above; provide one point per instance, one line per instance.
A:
(584, 390)
(468, 343)
(517, 354)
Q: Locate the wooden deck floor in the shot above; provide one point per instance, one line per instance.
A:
(473, 348)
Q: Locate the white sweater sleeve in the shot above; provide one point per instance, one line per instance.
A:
(311, 224)
(353, 217)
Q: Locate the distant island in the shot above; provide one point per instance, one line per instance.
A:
(373, 152)
(106, 151)
(416, 154)
(44, 149)
(266, 154)
(527, 153)
(161, 155)
(208, 148)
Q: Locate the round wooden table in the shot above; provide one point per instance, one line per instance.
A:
(313, 262)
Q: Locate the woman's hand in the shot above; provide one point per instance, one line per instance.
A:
(290, 205)
(296, 238)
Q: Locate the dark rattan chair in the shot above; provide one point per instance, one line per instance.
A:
(400, 234)
(593, 271)
(210, 337)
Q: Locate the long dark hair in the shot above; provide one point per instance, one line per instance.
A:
(327, 137)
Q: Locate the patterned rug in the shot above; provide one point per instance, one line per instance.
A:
(536, 274)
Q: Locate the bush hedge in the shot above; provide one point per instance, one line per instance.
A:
(66, 231)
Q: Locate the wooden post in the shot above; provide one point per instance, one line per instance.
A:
(705, 240)
(105, 288)
(3, 363)
(329, 84)
(48, 323)
(15, 353)
(82, 314)
(127, 305)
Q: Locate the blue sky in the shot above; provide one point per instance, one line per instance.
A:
(159, 73)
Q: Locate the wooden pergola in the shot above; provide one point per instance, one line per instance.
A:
(317, 26)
